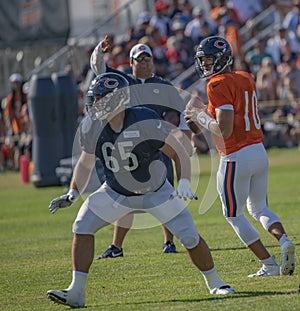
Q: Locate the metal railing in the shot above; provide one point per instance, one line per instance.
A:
(47, 59)
(263, 33)
(89, 33)
(248, 42)
(59, 59)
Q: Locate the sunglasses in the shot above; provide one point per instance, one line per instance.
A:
(141, 58)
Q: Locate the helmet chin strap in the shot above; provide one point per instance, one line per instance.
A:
(209, 73)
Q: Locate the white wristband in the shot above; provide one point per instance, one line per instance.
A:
(73, 195)
(204, 119)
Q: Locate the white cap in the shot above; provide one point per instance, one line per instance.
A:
(138, 49)
(16, 77)
(197, 10)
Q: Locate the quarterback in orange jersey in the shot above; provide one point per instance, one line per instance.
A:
(242, 178)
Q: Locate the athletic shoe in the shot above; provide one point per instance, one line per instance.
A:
(287, 258)
(223, 290)
(266, 270)
(68, 298)
(169, 247)
(111, 252)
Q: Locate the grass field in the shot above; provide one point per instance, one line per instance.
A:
(36, 253)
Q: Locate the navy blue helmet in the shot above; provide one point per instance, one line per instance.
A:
(219, 49)
(107, 93)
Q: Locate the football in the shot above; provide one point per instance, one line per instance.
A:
(194, 106)
(194, 127)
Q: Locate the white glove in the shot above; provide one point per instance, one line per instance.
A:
(184, 190)
(64, 200)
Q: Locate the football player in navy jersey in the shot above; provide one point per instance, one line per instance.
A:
(152, 91)
(128, 142)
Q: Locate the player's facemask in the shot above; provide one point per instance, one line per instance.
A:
(102, 107)
(206, 65)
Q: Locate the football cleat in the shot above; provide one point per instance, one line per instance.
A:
(223, 290)
(111, 252)
(169, 247)
(266, 270)
(67, 298)
(287, 258)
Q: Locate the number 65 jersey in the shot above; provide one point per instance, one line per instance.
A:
(235, 90)
(131, 158)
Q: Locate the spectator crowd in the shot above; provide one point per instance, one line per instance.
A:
(173, 31)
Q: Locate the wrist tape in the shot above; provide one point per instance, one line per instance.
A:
(204, 119)
(73, 195)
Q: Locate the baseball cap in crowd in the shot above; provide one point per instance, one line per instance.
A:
(16, 77)
(161, 5)
(138, 49)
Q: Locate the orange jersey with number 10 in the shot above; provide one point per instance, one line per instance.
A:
(238, 89)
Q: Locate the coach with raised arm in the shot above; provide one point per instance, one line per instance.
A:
(152, 91)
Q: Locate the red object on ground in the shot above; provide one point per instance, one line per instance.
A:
(24, 169)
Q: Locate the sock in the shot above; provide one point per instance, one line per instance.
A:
(78, 281)
(269, 261)
(283, 239)
(212, 279)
